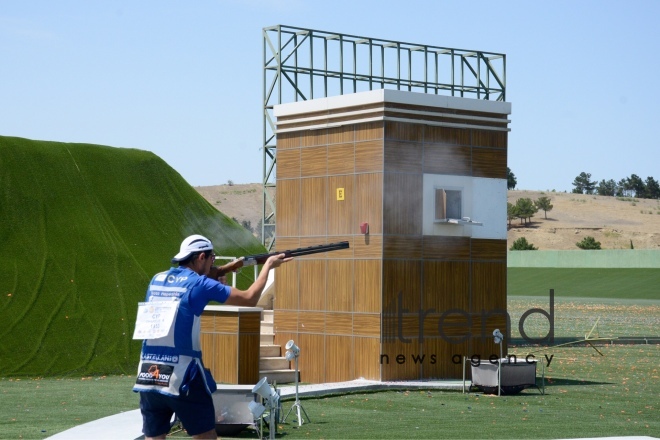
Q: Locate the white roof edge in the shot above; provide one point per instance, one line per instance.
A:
(232, 309)
(453, 102)
(388, 95)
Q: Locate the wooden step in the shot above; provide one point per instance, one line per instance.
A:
(273, 363)
(270, 350)
(267, 327)
(267, 316)
(280, 376)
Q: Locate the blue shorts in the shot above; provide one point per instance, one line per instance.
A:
(195, 411)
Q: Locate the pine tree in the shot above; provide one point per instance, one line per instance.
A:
(544, 204)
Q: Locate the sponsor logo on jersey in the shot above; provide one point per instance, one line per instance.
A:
(155, 374)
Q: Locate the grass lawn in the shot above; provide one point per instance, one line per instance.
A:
(32, 408)
(584, 283)
(587, 395)
(575, 317)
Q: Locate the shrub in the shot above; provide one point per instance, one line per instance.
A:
(588, 243)
(522, 245)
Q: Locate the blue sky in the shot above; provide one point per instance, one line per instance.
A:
(183, 78)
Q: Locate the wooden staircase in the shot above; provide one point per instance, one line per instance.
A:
(272, 363)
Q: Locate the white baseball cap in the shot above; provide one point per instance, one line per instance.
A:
(192, 244)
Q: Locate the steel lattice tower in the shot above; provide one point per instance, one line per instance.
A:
(301, 64)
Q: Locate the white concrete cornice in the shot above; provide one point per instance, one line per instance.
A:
(393, 96)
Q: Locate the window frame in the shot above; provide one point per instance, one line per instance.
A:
(441, 211)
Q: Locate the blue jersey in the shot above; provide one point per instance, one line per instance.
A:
(169, 363)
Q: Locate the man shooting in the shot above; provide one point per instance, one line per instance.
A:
(171, 376)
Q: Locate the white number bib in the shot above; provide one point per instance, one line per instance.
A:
(154, 319)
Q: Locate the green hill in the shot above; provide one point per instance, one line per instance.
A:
(83, 228)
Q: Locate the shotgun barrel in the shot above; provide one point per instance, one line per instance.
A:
(251, 260)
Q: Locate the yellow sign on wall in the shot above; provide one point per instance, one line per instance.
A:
(340, 193)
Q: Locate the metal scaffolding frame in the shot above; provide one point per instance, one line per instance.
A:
(301, 64)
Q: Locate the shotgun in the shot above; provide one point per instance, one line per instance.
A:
(251, 260)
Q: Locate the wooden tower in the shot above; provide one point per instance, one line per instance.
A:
(417, 184)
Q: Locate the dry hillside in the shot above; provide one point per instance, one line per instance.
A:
(242, 202)
(614, 222)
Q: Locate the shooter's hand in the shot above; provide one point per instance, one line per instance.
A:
(277, 260)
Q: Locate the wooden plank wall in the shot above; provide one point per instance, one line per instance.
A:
(330, 303)
(230, 343)
(356, 312)
(437, 291)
